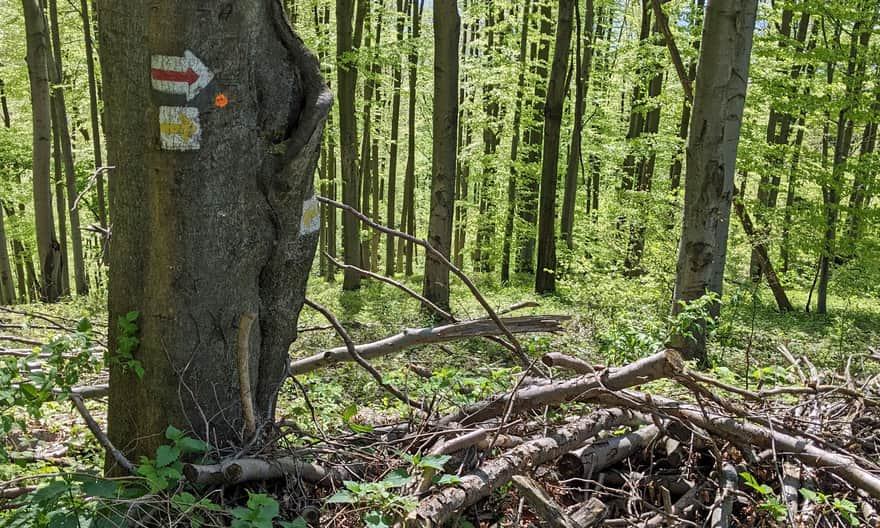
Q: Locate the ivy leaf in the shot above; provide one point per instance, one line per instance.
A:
(173, 433)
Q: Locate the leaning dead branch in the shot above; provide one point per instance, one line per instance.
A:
(425, 336)
(660, 365)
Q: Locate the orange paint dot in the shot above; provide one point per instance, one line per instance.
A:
(221, 101)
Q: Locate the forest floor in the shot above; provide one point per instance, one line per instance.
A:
(614, 321)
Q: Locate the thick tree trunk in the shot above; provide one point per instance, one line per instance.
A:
(514, 145)
(545, 275)
(79, 265)
(720, 95)
(446, 33)
(215, 220)
(48, 248)
(346, 74)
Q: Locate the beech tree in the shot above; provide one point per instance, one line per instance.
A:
(446, 31)
(215, 113)
(48, 247)
(722, 78)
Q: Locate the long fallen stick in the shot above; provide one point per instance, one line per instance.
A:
(424, 336)
(663, 364)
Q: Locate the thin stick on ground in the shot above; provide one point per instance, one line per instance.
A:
(352, 351)
(105, 442)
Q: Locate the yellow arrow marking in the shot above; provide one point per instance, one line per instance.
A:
(185, 128)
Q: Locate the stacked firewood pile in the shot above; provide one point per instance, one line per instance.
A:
(604, 448)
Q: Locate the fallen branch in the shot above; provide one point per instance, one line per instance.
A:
(479, 483)
(243, 470)
(589, 460)
(543, 504)
(354, 354)
(424, 336)
(244, 374)
(559, 360)
(105, 442)
(663, 364)
(721, 425)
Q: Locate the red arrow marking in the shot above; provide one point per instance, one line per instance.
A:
(189, 76)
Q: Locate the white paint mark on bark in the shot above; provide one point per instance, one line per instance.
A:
(185, 75)
(180, 128)
(311, 217)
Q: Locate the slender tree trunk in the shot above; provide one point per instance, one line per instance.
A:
(514, 145)
(446, 34)
(346, 73)
(528, 182)
(639, 169)
(785, 250)
(831, 191)
(483, 253)
(675, 168)
(48, 248)
(365, 164)
(462, 172)
(408, 220)
(93, 111)
(545, 276)
(391, 209)
(60, 202)
(4, 106)
(719, 98)
(583, 66)
(79, 265)
(7, 287)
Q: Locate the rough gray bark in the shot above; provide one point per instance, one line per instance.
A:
(202, 236)
(48, 249)
(545, 274)
(719, 98)
(446, 30)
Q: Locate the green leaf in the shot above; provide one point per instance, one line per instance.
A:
(448, 480)
(435, 461)
(192, 445)
(64, 520)
(358, 428)
(166, 455)
(173, 433)
(349, 413)
(105, 489)
(397, 478)
(49, 492)
(342, 497)
(809, 494)
(375, 519)
(299, 522)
